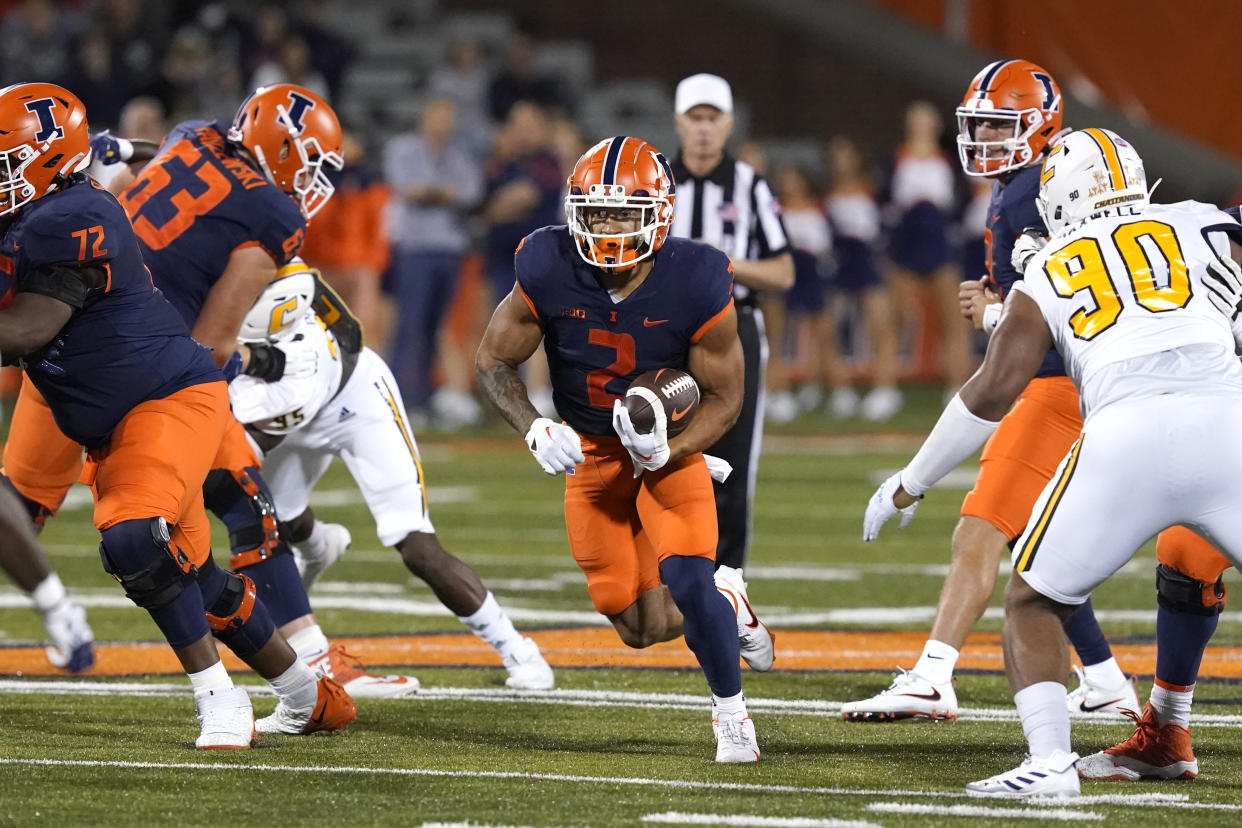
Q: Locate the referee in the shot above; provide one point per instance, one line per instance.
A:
(725, 203)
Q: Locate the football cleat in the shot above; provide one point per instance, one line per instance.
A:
(735, 737)
(71, 638)
(226, 719)
(527, 668)
(348, 671)
(757, 643)
(314, 555)
(332, 711)
(1151, 752)
(1048, 776)
(910, 696)
(1092, 698)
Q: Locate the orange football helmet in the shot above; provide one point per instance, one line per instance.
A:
(44, 122)
(1013, 91)
(615, 174)
(292, 133)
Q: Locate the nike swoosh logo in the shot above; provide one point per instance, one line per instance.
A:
(1091, 708)
(648, 323)
(317, 718)
(934, 695)
(678, 414)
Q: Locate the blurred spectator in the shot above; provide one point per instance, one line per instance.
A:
(34, 39)
(347, 240)
(567, 145)
(269, 26)
(435, 182)
(855, 222)
(800, 310)
(292, 65)
(188, 83)
(520, 80)
(752, 153)
(921, 200)
(138, 30)
(329, 54)
(95, 78)
(143, 117)
(464, 80)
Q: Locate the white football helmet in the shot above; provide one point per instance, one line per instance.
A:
(1087, 172)
(278, 312)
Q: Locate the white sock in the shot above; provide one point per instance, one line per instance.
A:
(490, 623)
(1045, 718)
(48, 594)
(309, 643)
(729, 704)
(937, 662)
(1105, 674)
(297, 687)
(1172, 703)
(214, 679)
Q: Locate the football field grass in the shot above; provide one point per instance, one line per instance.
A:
(625, 738)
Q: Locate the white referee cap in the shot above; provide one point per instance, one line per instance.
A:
(711, 90)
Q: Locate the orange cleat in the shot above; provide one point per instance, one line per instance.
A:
(348, 671)
(1151, 752)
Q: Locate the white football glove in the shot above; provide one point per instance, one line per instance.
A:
(1028, 243)
(648, 451)
(71, 637)
(1224, 285)
(881, 507)
(301, 357)
(557, 448)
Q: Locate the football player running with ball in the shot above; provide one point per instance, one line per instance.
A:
(1141, 301)
(614, 297)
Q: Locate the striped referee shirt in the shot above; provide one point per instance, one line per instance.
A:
(732, 208)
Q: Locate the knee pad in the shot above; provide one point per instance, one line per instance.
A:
(140, 555)
(1181, 593)
(37, 511)
(233, 612)
(241, 501)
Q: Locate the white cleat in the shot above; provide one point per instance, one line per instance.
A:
(348, 671)
(757, 643)
(314, 555)
(71, 637)
(1049, 776)
(527, 668)
(332, 711)
(881, 404)
(226, 719)
(735, 737)
(1094, 699)
(910, 696)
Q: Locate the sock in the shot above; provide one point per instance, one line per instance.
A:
(214, 679)
(1084, 632)
(297, 687)
(1045, 719)
(1171, 703)
(709, 623)
(1105, 673)
(490, 623)
(731, 705)
(309, 643)
(48, 594)
(937, 662)
(1181, 638)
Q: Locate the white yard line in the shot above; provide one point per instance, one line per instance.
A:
(746, 820)
(984, 812)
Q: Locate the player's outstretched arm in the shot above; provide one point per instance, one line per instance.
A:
(717, 365)
(511, 338)
(249, 271)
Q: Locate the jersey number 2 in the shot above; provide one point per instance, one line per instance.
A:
(1091, 275)
(622, 345)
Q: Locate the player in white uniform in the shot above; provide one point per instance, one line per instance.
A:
(349, 407)
(1142, 302)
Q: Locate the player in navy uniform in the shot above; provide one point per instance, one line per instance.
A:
(613, 298)
(122, 379)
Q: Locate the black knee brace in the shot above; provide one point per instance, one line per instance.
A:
(140, 555)
(233, 613)
(1181, 593)
(247, 511)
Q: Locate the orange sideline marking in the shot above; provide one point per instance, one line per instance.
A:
(796, 650)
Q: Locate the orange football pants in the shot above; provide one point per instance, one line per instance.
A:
(41, 462)
(156, 462)
(622, 527)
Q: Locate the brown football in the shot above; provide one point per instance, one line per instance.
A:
(675, 389)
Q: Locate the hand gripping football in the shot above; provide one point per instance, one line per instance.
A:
(676, 390)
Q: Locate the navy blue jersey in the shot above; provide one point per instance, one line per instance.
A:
(595, 346)
(1011, 211)
(127, 344)
(197, 202)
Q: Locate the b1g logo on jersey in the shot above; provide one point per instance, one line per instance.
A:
(299, 105)
(48, 128)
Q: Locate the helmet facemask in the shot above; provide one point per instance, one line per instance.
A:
(15, 190)
(991, 158)
(616, 251)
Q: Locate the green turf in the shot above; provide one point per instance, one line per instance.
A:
(504, 517)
